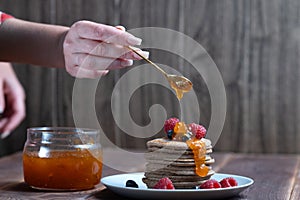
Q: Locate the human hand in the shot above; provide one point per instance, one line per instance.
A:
(91, 49)
(12, 100)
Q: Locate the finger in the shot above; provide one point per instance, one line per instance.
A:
(101, 63)
(12, 121)
(95, 31)
(16, 111)
(85, 73)
(108, 50)
(2, 122)
(2, 98)
(5, 134)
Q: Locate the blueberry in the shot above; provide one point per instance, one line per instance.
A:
(170, 134)
(131, 183)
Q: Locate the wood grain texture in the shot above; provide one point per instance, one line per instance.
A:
(251, 43)
(255, 45)
(275, 176)
(272, 174)
(296, 190)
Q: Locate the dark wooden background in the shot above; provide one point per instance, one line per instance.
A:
(254, 43)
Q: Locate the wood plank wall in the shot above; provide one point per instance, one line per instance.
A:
(254, 43)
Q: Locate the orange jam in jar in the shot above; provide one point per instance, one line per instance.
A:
(62, 158)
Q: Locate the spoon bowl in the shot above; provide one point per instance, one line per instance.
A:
(179, 83)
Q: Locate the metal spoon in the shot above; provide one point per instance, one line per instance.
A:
(179, 83)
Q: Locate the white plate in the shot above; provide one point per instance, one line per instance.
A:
(116, 183)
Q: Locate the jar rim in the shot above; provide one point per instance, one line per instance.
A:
(62, 129)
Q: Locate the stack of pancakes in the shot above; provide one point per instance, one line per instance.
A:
(175, 160)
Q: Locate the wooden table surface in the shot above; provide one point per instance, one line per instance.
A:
(275, 176)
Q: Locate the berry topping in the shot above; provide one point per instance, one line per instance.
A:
(164, 183)
(210, 184)
(198, 130)
(170, 134)
(228, 182)
(170, 124)
(131, 183)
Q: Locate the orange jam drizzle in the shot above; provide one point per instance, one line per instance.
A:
(199, 149)
(180, 130)
(63, 170)
(179, 92)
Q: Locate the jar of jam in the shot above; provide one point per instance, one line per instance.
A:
(62, 158)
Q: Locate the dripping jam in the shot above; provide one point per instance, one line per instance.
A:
(184, 87)
(199, 150)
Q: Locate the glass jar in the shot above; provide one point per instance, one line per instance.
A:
(62, 158)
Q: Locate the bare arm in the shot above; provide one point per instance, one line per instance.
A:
(33, 43)
(86, 49)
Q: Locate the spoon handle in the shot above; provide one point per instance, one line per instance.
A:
(149, 61)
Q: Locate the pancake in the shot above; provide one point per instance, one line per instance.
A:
(175, 160)
(187, 162)
(155, 175)
(179, 181)
(177, 184)
(173, 144)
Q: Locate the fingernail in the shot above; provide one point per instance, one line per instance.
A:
(145, 54)
(101, 73)
(134, 40)
(122, 28)
(105, 72)
(141, 52)
(5, 134)
(126, 63)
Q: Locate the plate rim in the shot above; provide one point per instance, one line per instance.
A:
(251, 182)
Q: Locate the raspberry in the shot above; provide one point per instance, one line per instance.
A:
(170, 124)
(198, 130)
(210, 184)
(228, 182)
(164, 183)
